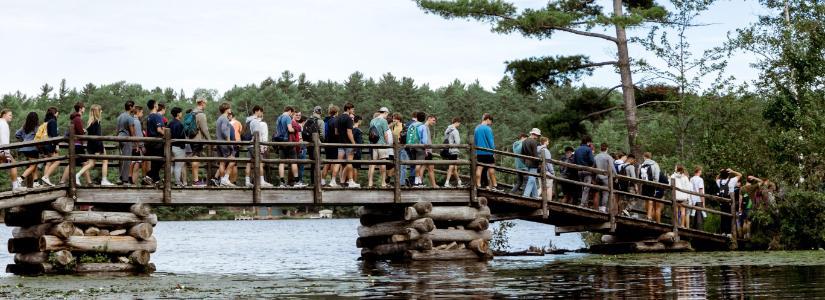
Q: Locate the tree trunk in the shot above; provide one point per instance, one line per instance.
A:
(105, 244)
(397, 227)
(63, 204)
(96, 218)
(457, 213)
(395, 248)
(140, 210)
(480, 246)
(91, 231)
(478, 224)
(457, 235)
(628, 91)
(140, 257)
(63, 230)
(31, 258)
(369, 242)
(63, 257)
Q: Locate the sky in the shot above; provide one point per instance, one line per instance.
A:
(187, 44)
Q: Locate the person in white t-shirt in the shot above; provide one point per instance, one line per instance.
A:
(699, 188)
(5, 155)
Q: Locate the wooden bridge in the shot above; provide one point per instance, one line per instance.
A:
(566, 217)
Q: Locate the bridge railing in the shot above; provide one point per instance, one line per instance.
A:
(616, 197)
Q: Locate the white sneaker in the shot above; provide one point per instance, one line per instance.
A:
(323, 182)
(249, 183)
(447, 186)
(226, 182)
(300, 185)
(353, 184)
(602, 209)
(36, 185)
(266, 184)
(105, 182)
(18, 188)
(333, 184)
(77, 179)
(46, 181)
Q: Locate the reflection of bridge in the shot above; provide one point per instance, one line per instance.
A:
(567, 217)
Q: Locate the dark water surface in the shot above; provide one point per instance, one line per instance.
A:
(311, 258)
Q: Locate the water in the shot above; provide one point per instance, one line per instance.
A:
(301, 258)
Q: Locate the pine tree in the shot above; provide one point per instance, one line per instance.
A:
(577, 17)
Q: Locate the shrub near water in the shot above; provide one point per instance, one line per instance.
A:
(795, 222)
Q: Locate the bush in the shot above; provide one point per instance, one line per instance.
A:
(796, 221)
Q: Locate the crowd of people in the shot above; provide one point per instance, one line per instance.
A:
(341, 127)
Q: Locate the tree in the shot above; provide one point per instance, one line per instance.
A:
(790, 43)
(577, 17)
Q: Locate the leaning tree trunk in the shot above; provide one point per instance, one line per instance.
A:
(628, 92)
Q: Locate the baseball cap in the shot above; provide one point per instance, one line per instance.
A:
(535, 131)
(383, 109)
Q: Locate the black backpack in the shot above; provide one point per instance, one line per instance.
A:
(310, 127)
(403, 137)
(724, 189)
(246, 134)
(622, 184)
(663, 180)
(375, 136)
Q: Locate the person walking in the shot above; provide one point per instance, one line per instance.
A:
(529, 147)
(27, 134)
(426, 139)
(178, 148)
(604, 162)
(520, 165)
(50, 150)
(125, 128)
(140, 149)
(583, 156)
(201, 133)
(380, 134)
(484, 138)
(698, 186)
(237, 127)
(300, 150)
(452, 136)
(649, 171)
(95, 147)
(223, 132)
(681, 180)
(5, 155)
(544, 150)
(330, 137)
(397, 128)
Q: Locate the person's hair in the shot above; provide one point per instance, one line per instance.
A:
(188, 110)
(32, 120)
(78, 106)
(631, 156)
(620, 153)
(136, 109)
(257, 108)
(414, 114)
(681, 169)
(396, 116)
(456, 120)
(303, 119)
(289, 109)
(176, 111)
(94, 113)
(568, 149)
(231, 115)
(522, 135)
(486, 117)
(223, 107)
(4, 112)
(586, 139)
(356, 119)
(200, 100)
(332, 110)
(348, 106)
(420, 116)
(647, 155)
(544, 140)
(697, 169)
(51, 114)
(128, 105)
(151, 104)
(604, 147)
(723, 174)
(434, 117)
(161, 106)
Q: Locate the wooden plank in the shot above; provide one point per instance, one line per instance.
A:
(288, 196)
(543, 183)
(473, 166)
(167, 166)
(32, 143)
(72, 162)
(112, 195)
(396, 187)
(435, 196)
(256, 170)
(31, 196)
(26, 163)
(317, 195)
(582, 228)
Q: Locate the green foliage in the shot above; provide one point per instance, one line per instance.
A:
(796, 221)
(501, 237)
(96, 257)
(545, 72)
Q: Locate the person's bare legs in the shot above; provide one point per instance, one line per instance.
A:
(383, 170)
(85, 169)
(195, 166)
(478, 176)
(349, 171)
(491, 173)
(370, 173)
(431, 169)
(449, 174)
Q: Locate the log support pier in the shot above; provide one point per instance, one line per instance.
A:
(53, 238)
(667, 242)
(425, 232)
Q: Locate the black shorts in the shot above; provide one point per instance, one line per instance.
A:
(226, 151)
(287, 152)
(449, 156)
(486, 159)
(331, 153)
(33, 154)
(197, 149)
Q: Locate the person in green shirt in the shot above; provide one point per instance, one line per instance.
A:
(381, 127)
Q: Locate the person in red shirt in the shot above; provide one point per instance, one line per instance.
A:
(295, 136)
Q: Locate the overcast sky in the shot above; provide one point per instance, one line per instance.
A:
(218, 44)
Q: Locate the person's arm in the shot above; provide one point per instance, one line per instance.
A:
(200, 119)
(350, 135)
(738, 175)
(754, 178)
(289, 128)
(227, 128)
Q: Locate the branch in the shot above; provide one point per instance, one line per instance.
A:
(584, 33)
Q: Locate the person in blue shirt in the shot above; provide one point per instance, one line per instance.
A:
(484, 139)
(427, 153)
(154, 128)
(583, 156)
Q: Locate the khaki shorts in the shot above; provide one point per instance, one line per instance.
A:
(381, 153)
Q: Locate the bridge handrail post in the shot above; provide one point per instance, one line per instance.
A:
(675, 206)
(473, 166)
(733, 215)
(543, 192)
(316, 168)
(72, 159)
(256, 168)
(396, 160)
(167, 166)
(613, 204)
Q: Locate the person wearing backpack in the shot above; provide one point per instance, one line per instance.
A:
(726, 181)
(483, 135)
(379, 134)
(426, 139)
(25, 134)
(407, 171)
(604, 162)
(518, 149)
(650, 171)
(283, 130)
(452, 136)
(682, 182)
(571, 191)
(49, 150)
(254, 124)
(313, 124)
(413, 137)
(196, 128)
(583, 156)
